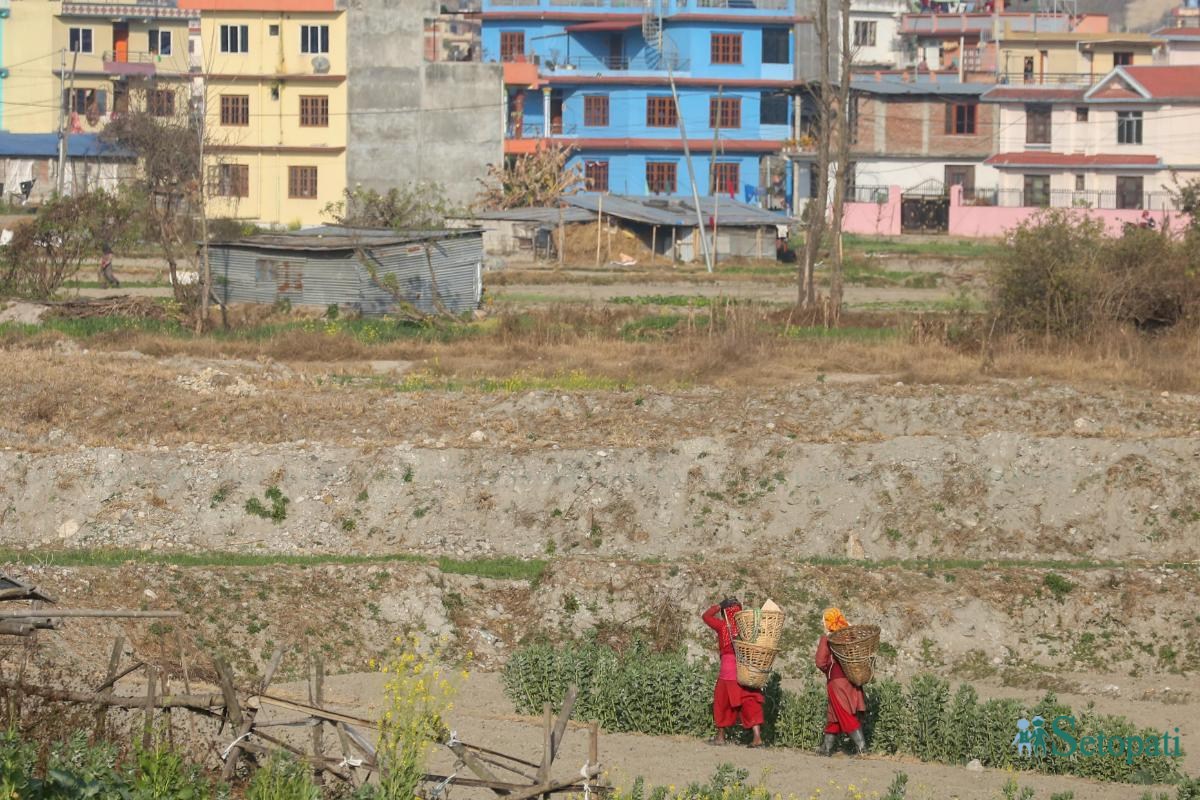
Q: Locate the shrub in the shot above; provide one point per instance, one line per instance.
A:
(282, 778)
(1063, 276)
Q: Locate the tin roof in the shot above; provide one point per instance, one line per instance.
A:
(334, 238)
(45, 145)
(546, 215)
(919, 84)
(676, 211)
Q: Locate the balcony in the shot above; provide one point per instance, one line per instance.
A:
(130, 63)
(632, 6)
(589, 65)
(1060, 79)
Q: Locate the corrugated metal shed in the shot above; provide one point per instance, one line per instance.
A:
(678, 212)
(547, 216)
(330, 265)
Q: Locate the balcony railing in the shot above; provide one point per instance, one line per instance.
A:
(1022, 78)
(1066, 198)
(590, 64)
(638, 5)
(527, 131)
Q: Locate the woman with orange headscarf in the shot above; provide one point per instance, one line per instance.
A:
(845, 699)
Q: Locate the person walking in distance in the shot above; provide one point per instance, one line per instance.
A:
(845, 699)
(730, 698)
(107, 278)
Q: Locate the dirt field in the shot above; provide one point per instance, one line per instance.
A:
(1028, 527)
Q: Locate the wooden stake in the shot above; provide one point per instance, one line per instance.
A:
(560, 725)
(316, 695)
(599, 223)
(653, 244)
(148, 725)
(233, 713)
(548, 744)
(561, 237)
(114, 661)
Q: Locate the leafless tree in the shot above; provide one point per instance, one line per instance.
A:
(823, 96)
(845, 119)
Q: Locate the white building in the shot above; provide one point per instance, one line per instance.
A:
(875, 32)
(1115, 145)
(1183, 46)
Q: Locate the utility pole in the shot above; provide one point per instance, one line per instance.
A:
(687, 155)
(63, 100)
(64, 119)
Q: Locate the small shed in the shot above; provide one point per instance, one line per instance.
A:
(29, 165)
(350, 267)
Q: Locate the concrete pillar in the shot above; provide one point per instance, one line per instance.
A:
(546, 112)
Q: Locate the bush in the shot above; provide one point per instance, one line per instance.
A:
(283, 778)
(656, 693)
(1063, 276)
(47, 251)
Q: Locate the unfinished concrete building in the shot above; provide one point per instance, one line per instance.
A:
(416, 119)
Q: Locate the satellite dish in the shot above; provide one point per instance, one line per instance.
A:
(320, 65)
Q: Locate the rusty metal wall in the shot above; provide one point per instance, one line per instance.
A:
(244, 274)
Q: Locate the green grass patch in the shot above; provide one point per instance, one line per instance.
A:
(651, 328)
(503, 568)
(961, 248)
(574, 381)
(678, 300)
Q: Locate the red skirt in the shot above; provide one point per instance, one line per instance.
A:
(730, 698)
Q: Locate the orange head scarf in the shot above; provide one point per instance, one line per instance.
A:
(834, 620)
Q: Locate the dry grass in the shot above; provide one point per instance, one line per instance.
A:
(329, 392)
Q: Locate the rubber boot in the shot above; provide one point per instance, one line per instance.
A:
(860, 742)
(827, 744)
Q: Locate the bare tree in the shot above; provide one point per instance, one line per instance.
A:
(823, 96)
(170, 144)
(541, 178)
(845, 119)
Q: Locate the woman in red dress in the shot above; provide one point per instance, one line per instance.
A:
(729, 697)
(845, 699)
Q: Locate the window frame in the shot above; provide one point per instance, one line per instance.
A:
(314, 39)
(724, 113)
(593, 171)
(865, 26)
(234, 39)
(654, 179)
(596, 111)
(768, 99)
(1045, 116)
(962, 119)
(299, 178)
(230, 180)
(1081, 113)
(234, 107)
(1027, 192)
(1122, 58)
(155, 106)
(771, 52)
(311, 117)
(661, 111)
(725, 48)
(78, 37)
(507, 41)
(156, 37)
(718, 178)
(1130, 129)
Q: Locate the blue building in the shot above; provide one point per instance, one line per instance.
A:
(594, 74)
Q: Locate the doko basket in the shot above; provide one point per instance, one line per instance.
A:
(753, 663)
(762, 628)
(855, 649)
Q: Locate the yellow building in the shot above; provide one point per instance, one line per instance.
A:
(275, 98)
(1070, 57)
(269, 74)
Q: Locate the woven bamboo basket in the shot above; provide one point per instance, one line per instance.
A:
(762, 628)
(855, 649)
(753, 663)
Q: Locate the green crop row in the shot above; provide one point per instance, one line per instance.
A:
(667, 694)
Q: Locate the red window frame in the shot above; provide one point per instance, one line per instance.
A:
(726, 48)
(725, 112)
(660, 112)
(595, 110)
(662, 177)
(595, 174)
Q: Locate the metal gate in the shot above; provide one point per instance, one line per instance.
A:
(925, 208)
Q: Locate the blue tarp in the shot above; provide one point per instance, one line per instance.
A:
(45, 145)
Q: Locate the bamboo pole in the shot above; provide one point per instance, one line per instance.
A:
(114, 662)
(148, 724)
(599, 224)
(198, 702)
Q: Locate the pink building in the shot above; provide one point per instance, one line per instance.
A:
(1182, 46)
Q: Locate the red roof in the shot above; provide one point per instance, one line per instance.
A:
(1034, 93)
(1167, 82)
(1173, 33)
(1039, 158)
